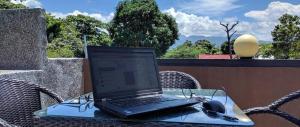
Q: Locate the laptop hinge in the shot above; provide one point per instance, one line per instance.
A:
(132, 96)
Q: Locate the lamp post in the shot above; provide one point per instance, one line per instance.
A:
(85, 46)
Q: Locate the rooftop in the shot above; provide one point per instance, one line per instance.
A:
(215, 56)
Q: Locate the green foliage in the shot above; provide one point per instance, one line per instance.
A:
(139, 23)
(101, 39)
(68, 37)
(62, 37)
(64, 51)
(65, 35)
(86, 25)
(66, 42)
(207, 46)
(6, 4)
(53, 27)
(225, 47)
(285, 34)
(295, 50)
(190, 50)
(265, 50)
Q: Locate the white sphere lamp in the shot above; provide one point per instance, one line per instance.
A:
(246, 46)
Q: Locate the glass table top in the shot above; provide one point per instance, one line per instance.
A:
(193, 114)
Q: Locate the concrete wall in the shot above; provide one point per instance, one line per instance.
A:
(23, 43)
(33, 76)
(23, 39)
(63, 76)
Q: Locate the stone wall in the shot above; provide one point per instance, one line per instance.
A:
(63, 76)
(23, 39)
(32, 76)
(23, 42)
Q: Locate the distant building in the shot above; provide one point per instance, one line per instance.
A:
(265, 58)
(216, 56)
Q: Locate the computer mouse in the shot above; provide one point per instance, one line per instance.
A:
(215, 106)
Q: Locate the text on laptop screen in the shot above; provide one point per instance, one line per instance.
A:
(118, 72)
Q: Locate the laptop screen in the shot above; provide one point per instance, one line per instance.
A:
(122, 70)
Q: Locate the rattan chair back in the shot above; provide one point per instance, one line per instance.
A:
(176, 79)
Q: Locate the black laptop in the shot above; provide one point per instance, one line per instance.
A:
(126, 82)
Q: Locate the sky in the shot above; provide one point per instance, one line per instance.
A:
(194, 17)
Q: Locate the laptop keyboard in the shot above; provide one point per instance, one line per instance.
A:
(141, 101)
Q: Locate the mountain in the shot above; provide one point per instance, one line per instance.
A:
(215, 40)
(264, 42)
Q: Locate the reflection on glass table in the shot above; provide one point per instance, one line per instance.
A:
(81, 111)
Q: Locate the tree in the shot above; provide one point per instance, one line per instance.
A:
(64, 51)
(208, 46)
(139, 23)
(265, 50)
(186, 50)
(6, 4)
(65, 42)
(225, 47)
(295, 50)
(87, 25)
(54, 27)
(66, 35)
(227, 29)
(190, 50)
(284, 35)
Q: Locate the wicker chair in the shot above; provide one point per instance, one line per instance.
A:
(3, 123)
(19, 99)
(273, 108)
(175, 79)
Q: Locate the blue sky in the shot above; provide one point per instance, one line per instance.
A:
(194, 17)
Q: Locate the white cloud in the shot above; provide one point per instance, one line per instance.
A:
(266, 20)
(274, 11)
(262, 30)
(193, 25)
(208, 7)
(97, 16)
(29, 3)
(263, 22)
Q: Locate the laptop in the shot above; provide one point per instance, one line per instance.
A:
(126, 82)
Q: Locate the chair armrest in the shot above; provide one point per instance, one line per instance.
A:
(273, 108)
(3, 123)
(50, 93)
